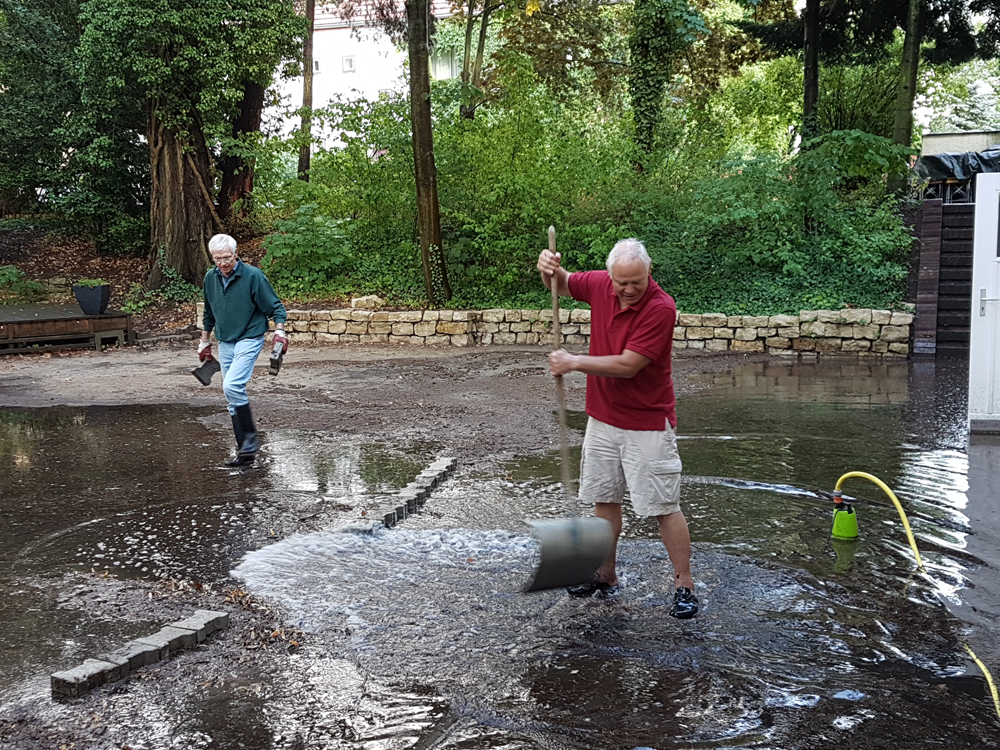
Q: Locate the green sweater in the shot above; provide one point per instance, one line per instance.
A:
(241, 309)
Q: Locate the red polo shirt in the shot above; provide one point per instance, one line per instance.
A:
(646, 401)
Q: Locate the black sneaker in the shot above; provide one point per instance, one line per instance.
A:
(596, 588)
(685, 604)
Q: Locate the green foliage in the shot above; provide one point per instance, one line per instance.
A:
(16, 289)
(90, 282)
(307, 254)
(139, 298)
(174, 286)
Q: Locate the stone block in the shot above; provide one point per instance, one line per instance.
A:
(569, 330)
(813, 328)
(520, 326)
(576, 338)
(579, 316)
(494, 315)
(383, 327)
(680, 333)
(425, 328)
(804, 345)
(462, 339)
(734, 321)
(402, 329)
(340, 314)
(302, 326)
(512, 316)
(121, 667)
(778, 342)
(540, 327)
(505, 338)
(295, 314)
(485, 339)
(405, 340)
(381, 317)
(431, 315)
(350, 338)
(489, 327)
(880, 347)
(445, 315)
(531, 315)
(437, 340)
(723, 333)
(856, 345)
(157, 642)
(755, 321)
(746, 334)
(319, 315)
(717, 345)
(695, 344)
(472, 316)
(714, 320)
(901, 319)
(406, 316)
(700, 332)
(866, 332)
(687, 319)
(178, 638)
(214, 620)
(327, 338)
(337, 326)
(895, 333)
(80, 680)
(139, 655)
(792, 332)
(783, 321)
(808, 316)
(451, 328)
(763, 333)
(319, 326)
(370, 301)
(680, 345)
(361, 315)
(881, 317)
(828, 345)
(899, 348)
(374, 338)
(741, 345)
(195, 624)
(301, 338)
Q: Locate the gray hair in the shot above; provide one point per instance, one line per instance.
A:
(628, 250)
(222, 242)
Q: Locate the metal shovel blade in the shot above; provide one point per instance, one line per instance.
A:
(572, 551)
(205, 372)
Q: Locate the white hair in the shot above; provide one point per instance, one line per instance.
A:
(222, 242)
(628, 250)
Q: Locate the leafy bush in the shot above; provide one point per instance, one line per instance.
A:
(307, 253)
(16, 289)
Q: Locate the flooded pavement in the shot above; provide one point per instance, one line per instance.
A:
(420, 636)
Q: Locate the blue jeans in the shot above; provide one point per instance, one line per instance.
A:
(237, 359)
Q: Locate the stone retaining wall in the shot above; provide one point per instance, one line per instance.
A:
(849, 331)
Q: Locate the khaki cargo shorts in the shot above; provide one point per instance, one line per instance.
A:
(646, 462)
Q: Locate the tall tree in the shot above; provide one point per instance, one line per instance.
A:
(191, 62)
(305, 150)
(418, 15)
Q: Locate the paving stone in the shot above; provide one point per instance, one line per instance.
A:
(79, 680)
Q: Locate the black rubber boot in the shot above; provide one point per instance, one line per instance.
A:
(238, 432)
(249, 446)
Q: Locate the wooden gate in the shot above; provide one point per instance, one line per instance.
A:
(944, 286)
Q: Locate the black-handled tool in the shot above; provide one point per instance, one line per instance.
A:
(277, 354)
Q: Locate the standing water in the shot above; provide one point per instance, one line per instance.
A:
(420, 636)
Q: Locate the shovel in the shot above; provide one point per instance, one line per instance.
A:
(573, 548)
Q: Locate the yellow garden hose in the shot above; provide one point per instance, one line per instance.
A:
(839, 503)
(986, 674)
(892, 496)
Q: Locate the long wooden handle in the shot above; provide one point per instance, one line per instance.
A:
(560, 390)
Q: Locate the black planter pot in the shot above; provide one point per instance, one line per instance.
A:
(93, 299)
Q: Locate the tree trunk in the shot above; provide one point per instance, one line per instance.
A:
(181, 214)
(237, 172)
(484, 20)
(305, 150)
(465, 108)
(428, 216)
(810, 89)
(906, 91)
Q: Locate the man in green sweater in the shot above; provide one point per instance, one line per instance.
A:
(238, 302)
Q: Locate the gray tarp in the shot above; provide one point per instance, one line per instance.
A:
(961, 167)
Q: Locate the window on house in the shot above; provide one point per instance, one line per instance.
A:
(348, 63)
(315, 66)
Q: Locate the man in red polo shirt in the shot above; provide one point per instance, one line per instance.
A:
(630, 439)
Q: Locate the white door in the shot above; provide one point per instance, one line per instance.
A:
(984, 348)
